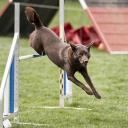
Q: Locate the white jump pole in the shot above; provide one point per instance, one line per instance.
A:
(65, 84)
(16, 60)
(11, 94)
(61, 26)
(11, 90)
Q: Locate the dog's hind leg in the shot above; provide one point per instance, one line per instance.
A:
(89, 82)
(81, 85)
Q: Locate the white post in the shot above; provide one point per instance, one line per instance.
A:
(10, 106)
(65, 84)
(61, 22)
(16, 61)
(16, 67)
(5, 76)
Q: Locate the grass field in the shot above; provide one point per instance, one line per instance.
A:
(39, 86)
(2, 3)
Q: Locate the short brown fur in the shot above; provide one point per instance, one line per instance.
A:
(69, 57)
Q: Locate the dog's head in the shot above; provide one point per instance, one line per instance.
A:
(81, 53)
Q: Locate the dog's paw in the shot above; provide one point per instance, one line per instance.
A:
(97, 95)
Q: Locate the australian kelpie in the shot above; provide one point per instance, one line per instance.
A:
(69, 57)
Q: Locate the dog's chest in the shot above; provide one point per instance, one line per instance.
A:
(77, 66)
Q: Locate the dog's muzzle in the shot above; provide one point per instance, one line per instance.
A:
(83, 60)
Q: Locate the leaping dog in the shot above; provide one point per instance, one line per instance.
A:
(69, 57)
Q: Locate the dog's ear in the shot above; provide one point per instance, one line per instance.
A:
(73, 46)
(89, 45)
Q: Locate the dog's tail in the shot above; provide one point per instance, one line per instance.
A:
(33, 17)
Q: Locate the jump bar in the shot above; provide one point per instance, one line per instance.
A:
(29, 56)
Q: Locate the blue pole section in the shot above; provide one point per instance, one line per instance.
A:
(11, 98)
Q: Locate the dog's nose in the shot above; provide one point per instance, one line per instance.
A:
(85, 60)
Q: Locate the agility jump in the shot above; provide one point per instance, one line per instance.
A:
(9, 91)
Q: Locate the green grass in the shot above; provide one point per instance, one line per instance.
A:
(39, 86)
(2, 3)
(76, 18)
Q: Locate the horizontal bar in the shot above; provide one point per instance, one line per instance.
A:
(30, 123)
(58, 107)
(29, 56)
(49, 6)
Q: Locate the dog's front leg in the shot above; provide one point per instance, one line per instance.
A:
(89, 82)
(81, 85)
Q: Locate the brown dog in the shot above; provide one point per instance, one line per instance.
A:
(69, 57)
